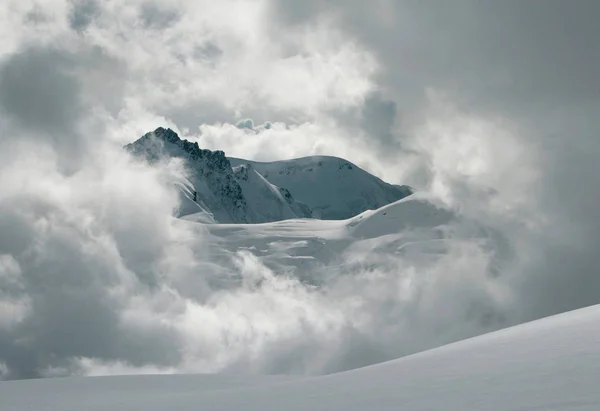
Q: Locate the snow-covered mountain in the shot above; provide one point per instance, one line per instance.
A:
(333, 188)
(268, 201)
(215, 192)
(550, 364)
(219, 189)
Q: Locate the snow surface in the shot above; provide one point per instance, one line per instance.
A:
(549, 364)
(316, 250)
(333, 188)
(265, 200)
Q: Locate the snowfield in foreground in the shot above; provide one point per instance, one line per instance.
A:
(549, 364)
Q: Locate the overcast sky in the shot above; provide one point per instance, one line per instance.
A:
(491, 106)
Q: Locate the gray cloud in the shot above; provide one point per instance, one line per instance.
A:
(532, 64)
(39, 93)
(506, 55)
(154, 17)
(48, 94)
(496, 55)
(82, 14)
(378, 118)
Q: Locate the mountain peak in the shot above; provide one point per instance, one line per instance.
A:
(165, 134)
(169, 140)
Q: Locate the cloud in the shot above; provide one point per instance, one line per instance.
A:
(96, 274)
(99, 278)
(378, 116)
(82, 14)
(493, 119)
(76, 258)
(32, 84)
(48, 95)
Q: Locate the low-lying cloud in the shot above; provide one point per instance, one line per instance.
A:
(97, 277)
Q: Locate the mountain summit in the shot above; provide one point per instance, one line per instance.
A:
(232, 190)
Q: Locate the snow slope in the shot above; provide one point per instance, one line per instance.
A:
(549, 364)
(316, 250)
(211, 190)
(333, 188)
(265, 200)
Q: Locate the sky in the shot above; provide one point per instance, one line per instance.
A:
(490, 107)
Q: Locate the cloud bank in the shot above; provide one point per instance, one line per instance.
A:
(493, 117)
